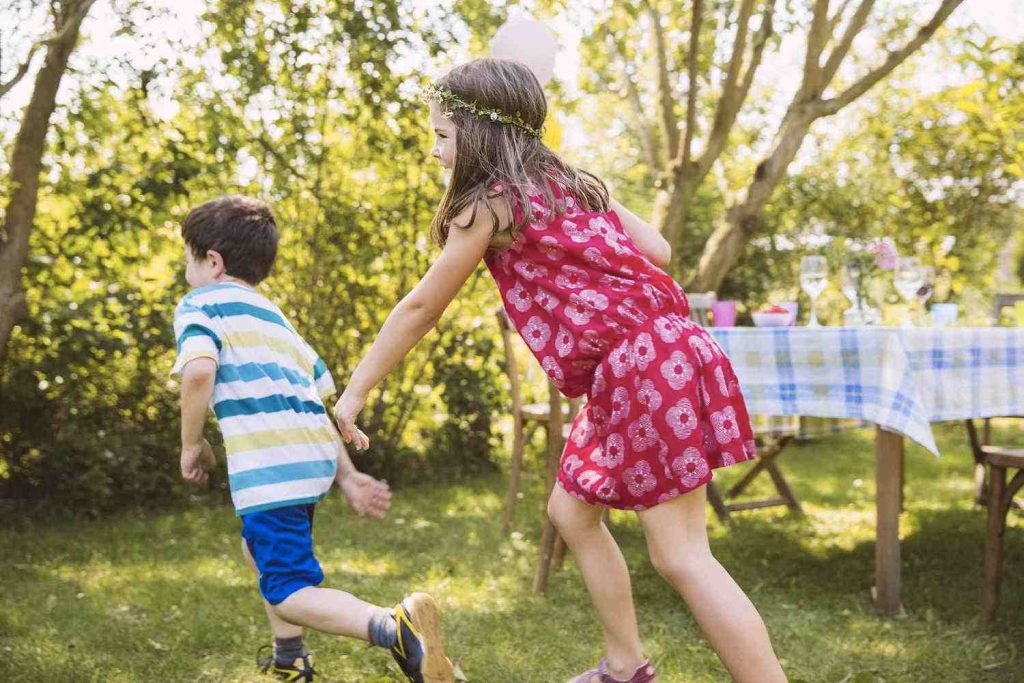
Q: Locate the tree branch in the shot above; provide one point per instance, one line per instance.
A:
(839, 52)
(837, 17)
(666, 100)
(69, 23)
(656, 162)
(817, 36)
(735, 94)
(831, 106)
(692, 76)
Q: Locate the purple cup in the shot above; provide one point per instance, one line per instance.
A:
(793, 307)
(723, 314)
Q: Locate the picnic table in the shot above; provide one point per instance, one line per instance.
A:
(899, 379)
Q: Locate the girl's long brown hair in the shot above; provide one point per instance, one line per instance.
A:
(495, 159)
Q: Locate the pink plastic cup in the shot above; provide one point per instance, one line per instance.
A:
(723, 314)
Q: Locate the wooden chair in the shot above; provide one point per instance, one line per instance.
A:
(770, 445)
(556, 417)
(1000, 500)
(526, 419)
(1005, 301)
(980, 484)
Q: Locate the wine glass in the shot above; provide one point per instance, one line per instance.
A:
(908, 280)
(927, 288)
(813, 280)
(849, 281)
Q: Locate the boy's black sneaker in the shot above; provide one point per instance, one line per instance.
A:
(419, 651)
(301, 670)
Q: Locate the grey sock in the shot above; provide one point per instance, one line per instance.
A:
(287, 650)
(383, 629)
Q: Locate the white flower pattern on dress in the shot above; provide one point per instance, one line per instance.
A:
(690, 468)
(682, 419)
(724, 422)
(587, 478)
(723, 388)
(594, 257)
(594, 300)
(639, 478)
(615, 283)
(536, 333)
(550, 247)
(621, 359)
(599, 418)
(630, 311)
(564, 342)
(667, 330)
(677, 371)
(578, 311)
(599, 384)
(571, 277)
(571, 463)
(643, 351)
(620, 406)
(545, 299)
(642, 434)
(519, 297)
(701, 348)
(577, 232)
(583, 432)
(613, 453)
(529, 270)
(554, 371)
(606, 491)
(648, 396)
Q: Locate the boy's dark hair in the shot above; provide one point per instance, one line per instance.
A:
(241, 229)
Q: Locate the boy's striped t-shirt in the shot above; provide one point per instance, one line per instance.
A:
(282, 447)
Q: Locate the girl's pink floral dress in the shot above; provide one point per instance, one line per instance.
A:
(664, 407)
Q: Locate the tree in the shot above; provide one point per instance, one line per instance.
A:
(670, 143)
(27, 157)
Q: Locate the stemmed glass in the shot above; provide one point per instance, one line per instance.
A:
(927, 288)
(813, 280)
(908, 281)
(849, 281)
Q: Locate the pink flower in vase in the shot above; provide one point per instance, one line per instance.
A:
(885, 253)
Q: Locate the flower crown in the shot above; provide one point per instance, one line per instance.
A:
(453, 101)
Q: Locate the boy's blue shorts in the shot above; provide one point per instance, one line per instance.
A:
(281, 543)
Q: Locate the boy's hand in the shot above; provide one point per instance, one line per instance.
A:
(368, 496)
(345, 411)
(196, 462)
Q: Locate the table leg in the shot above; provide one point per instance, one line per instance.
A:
(888, 499)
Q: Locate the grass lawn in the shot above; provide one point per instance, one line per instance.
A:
(168, 597)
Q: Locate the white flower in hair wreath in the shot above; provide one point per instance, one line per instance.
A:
(453, 101)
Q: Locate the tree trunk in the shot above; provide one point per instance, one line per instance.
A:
(26, 165)
(742, 220)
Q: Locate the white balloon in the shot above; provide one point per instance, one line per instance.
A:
(528, 41)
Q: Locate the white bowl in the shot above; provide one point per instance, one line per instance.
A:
(762, 319)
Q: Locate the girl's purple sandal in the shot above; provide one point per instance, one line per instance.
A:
(644, 674)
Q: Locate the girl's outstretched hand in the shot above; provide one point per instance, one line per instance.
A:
(345, 411)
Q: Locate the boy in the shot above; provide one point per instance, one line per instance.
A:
(238, 354)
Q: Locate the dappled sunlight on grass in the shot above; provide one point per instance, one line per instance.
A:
(174, 592)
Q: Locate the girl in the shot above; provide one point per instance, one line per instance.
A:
(579, 277)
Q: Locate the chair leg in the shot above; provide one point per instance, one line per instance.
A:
(514, 475)
(715, 498)
(558, 556)
(782, 486)
(547, 547)
(994, 542)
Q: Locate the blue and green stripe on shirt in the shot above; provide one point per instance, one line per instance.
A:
(282, 447)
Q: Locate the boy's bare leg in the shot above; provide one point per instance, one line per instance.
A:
(278, 626)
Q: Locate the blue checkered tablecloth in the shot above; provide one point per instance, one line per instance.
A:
(901, 379)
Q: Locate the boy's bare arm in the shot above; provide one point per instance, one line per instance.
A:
(366, 495)
(197, 379)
